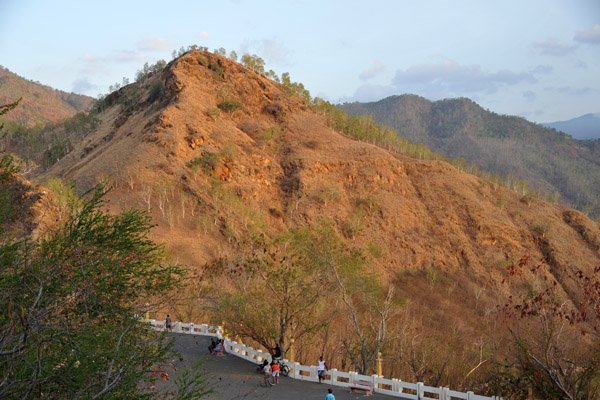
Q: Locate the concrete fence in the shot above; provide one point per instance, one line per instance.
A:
(391, 387)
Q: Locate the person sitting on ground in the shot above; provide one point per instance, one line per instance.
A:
(212, 346)
(275, 369)
(277, 352)
(219, 347)
(321, 368)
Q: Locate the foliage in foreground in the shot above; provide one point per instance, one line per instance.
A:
(555, 342)
(70, 326)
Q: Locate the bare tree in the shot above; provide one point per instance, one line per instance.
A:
(147, 194)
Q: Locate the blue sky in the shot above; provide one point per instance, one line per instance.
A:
(539, 59)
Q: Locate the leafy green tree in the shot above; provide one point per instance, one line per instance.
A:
(367, 305)
(4, 108)
(220, 51)
(272, 75)
(254, 62)
(8, 168)
(278, 292)
(68, 201)
(70, 325)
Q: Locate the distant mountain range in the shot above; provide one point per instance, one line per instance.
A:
(585, 127)
(40, 104)
(502, 144)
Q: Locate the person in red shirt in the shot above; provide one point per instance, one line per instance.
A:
(275, 372)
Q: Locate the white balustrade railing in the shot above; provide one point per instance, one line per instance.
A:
(391, 387)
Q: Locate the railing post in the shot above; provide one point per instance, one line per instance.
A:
(353, 375)
(470, 396)
(295, 373)
(374, 379)
(419, 390)
(313, 372)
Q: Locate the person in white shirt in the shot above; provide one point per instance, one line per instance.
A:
(321, 368)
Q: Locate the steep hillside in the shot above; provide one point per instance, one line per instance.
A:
(215, 150)
(40, 104)
(501, 144)
(31, 211)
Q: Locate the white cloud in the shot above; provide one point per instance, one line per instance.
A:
(572, 91)
(591, 36)
(83, 85)
(99, 65)
(371, 72)
(271, 50)
(448, 78)
(553, 47)
(204, 35)
(443, 78)
(154, 44)
(128, 56)
(93, 65)
(369, 92)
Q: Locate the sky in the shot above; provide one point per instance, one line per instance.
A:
(539, 59)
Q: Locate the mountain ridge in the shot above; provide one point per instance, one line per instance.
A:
(584, 127)
(506, 145)
(39, 104)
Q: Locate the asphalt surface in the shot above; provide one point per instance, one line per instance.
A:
(234, 378)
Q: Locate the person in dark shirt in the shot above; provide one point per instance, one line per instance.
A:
(277, 352)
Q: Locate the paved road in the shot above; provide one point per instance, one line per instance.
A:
(235, 378)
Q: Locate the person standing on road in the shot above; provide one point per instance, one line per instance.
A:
(330, 395)
(275, 369)
(168, 323)
(321, 368)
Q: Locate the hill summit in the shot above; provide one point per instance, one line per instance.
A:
(217, 152)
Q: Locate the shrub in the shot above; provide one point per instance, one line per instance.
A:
(274, 109)
(157, 89)
(207, 162)
(229, 152)
(202, 60)
(329, 194)
(213, 112)
(218, 70)
(230, 105)
(273, 133)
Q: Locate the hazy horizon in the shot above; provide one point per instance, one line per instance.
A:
(538, 59)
